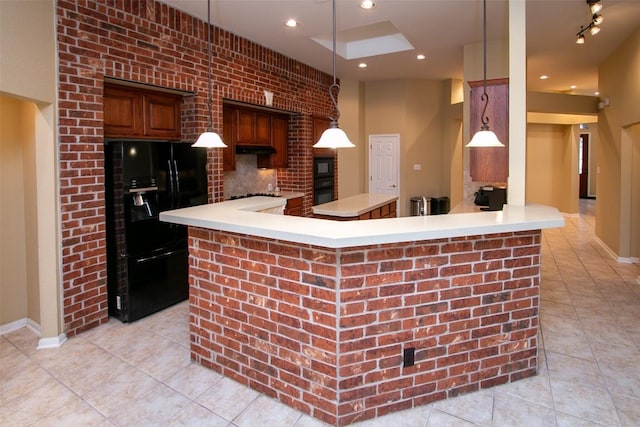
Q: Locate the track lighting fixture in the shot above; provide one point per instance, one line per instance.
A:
(594, 6)
(593, 27)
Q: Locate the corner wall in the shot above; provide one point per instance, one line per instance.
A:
(413, 109)
(618, 81)
(551, 165)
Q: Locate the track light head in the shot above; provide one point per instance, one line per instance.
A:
(594, 6)
(594, 30)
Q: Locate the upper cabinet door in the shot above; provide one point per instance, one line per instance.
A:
(490, 164)
(245, 127)
(135, 113)
(253, 127)
(162, 116)
(122, 112)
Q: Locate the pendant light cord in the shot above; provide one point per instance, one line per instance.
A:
(485, 96)
(210, 100)
(334, 87)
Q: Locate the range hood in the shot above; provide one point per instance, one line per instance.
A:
(255, 149)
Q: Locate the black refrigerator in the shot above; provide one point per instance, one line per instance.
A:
(147, 260)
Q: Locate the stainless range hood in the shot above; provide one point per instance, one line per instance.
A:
(255, 149)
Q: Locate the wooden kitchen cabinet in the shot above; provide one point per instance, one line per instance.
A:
(253, 127)
(490, 164)
(294, 207)
(138, 113)
(243, 126)
(280, 142)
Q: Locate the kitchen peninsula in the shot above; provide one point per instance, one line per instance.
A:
(360, 206)
(352, 320)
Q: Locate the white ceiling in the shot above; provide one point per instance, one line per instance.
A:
(437, 28)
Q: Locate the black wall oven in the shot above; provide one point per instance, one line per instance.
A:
(323, 180)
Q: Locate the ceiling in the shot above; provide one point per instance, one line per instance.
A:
(439, 29)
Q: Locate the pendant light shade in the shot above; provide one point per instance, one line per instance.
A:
(484, 137)
(334, 137)
(209, 139)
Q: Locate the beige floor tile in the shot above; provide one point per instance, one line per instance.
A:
(416, 417)
(23, 382)
(536, 390)
(155, 408)
(571, 345)
(511, 411)
(76, 413)
(194, 415)
(583, 401)
(267, 411)
(110, 398)
(573, 369)
(193, 380)
(165, 361)
(49, 397)
(566, 420)
(227, 398)
(440, 419)
(473, 407)
(307, 421)
(628, 409)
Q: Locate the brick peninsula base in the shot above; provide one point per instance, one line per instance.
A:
(325, 330)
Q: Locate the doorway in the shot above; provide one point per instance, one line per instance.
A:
(384, 164)
(583, 165)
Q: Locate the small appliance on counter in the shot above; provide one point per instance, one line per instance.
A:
(492, 198)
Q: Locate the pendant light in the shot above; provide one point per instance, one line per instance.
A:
(334, 137)
(484, 137)
(209, 139)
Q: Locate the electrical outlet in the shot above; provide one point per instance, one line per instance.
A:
(118, 303)
(409, 356)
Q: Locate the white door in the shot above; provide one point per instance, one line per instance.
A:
(384, 164)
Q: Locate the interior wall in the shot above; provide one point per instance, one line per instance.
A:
(618, 81)
(28, 84)
(551, 162)
(413, 109)
(352, 162)
(14, 131)
(635, 192)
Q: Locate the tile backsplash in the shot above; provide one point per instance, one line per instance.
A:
(247, 178)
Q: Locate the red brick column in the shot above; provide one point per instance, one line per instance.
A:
(325, 330)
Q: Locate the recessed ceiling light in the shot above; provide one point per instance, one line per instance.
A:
(367, 4)
(573, 87)
(291, 23)
(420, 56)
(362, 65)
(544, 77)
(596, 93)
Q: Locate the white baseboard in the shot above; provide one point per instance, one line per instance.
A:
(13, 326)
(612, 254)
(54, 342)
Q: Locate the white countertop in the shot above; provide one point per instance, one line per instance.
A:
(241, 216)
(354, 205)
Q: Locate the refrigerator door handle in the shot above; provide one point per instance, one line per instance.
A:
(171, 185)
(154, 257)
(177, 176)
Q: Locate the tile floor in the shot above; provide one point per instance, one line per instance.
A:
(139, 374)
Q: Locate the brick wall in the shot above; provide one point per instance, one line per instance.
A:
(324, 330)
(148, 42)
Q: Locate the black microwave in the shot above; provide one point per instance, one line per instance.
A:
(323, 167)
